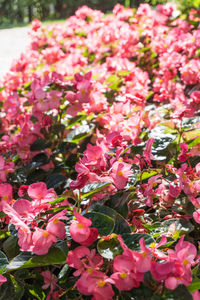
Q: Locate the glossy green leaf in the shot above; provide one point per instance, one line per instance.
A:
(79, 133)
(27, 260)
(194, 286)
(109, 248)
(102, 222)
(90, 189)
(179, 225)
(39, 144)
(3, 260)
(121, 225)
(132, 240)
(55, 180)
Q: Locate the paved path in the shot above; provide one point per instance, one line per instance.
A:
(12, 43)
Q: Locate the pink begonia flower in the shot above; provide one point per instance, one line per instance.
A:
(147, 152)
(5, 168)
(42, 241)
(23, 207)
(2, 279)
(124, 277)
(197, 167)
(143, 258)
(120, 172)
(95, 283)
(35, 24)
(14, 216)
(37, 190)
(183, 156)
(161, 271)
(49, 281)
(81, 232)
(6, 192)
(22, 190)
(81, 258)
(196, 295)
(54, 98)
(174, 191)
(25, 239)
(196, 216)
(56, 227)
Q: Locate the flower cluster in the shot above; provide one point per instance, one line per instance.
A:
(99, 158)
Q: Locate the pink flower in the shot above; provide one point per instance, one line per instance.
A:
(5, 168)
(81, 258)
(183, 156)
(49, 281)
(97, 284)
(120, 172)
(81, 232)
(2, 279)
(56, 227)
(147, 152)
(124, 277)
(42, 241)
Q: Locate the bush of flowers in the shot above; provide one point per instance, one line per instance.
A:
(99, 159)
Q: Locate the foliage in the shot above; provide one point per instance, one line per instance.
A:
(99, 158)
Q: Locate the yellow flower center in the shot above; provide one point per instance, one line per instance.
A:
(186, 262)
(45, 234)
(90, 270)
(5, 197)
(152, 245)
(101, 283)
(144, 254)
(123, 275)
(80, 225)
(119, 173)
(55, 221)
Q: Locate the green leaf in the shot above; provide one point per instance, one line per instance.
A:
(79, 133)
(194, 142)
(102, 222)
(38, 160)
(25, 260)
(153, 226)
(37, 292)
(146, 175)
(55, 180)
(90, 189)
(181, 227)
(68, 194)
(123, 73)
(39, 144)
(194, 286)
(118, 202)
(121, 225)
(191, 134)
(109, 248)
(132, 240)
(182, 293)
(4, 234)
(76, 120)
(2, 88)
(57, 128)
(63, 271)
(7, 290)
(11, 247)
(3, 260)
(112, 79)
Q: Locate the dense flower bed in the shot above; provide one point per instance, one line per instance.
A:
(99, 159)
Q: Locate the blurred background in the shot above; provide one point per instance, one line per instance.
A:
(21, 12)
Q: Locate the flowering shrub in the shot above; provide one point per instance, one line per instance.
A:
(99, 159)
